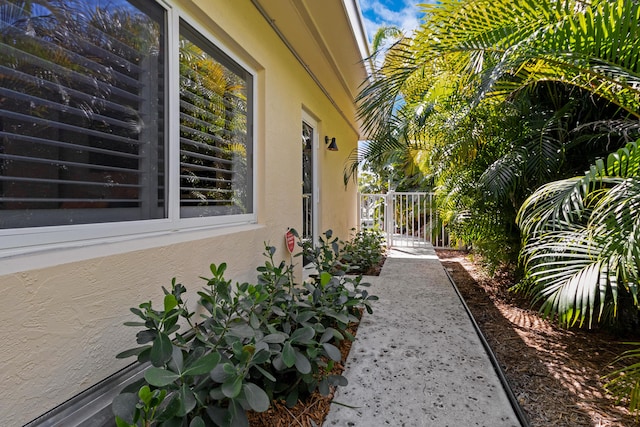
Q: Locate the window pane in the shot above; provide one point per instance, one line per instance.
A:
(215, 145)
(81, 112)
(307, 182)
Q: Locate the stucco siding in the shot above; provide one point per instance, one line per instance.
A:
(63, 308)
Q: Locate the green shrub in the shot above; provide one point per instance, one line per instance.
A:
(358, 255)
(254, 343)
(363, 251)
(324, 255)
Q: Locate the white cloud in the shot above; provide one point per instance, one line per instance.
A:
(377, 14)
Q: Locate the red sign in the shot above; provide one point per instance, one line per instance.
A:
(290, 240)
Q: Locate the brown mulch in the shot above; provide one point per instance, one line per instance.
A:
(375, 270)
(555, 373)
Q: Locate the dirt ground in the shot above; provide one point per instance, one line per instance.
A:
(556, 374)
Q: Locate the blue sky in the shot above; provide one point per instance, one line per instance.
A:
(401, 13)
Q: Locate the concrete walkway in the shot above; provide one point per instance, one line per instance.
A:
(417, 360)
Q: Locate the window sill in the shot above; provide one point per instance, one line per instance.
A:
(42, 256)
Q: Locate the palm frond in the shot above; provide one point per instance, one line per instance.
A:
(624, 383)
(502, 177)
(588, 45)
(382, 35)
(627, 129)
(581, 239)
(553, 205)
(569, 276)
(615, 218)
(565, 200)
(593, 47)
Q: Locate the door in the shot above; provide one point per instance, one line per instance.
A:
(309, 179)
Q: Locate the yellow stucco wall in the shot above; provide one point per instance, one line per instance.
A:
(62, 311)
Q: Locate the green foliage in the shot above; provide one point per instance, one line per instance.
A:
(363, 251)
(510, 102)
(581, 241)
(252, 344)
(624, 383)
(489, 100)
(324, 254)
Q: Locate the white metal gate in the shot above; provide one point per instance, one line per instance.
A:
(407, 219)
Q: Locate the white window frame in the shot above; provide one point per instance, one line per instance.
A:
(20, 241)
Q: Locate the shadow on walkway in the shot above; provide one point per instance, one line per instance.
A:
(417, 360)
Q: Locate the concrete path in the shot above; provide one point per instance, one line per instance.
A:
(417, 360)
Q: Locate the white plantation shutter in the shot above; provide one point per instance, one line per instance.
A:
(215, 174)
(80, 100)
(84, 119)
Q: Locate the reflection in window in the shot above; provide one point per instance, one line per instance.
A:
(80, 102)
(307, 182)
(83, 117)
(214, 144)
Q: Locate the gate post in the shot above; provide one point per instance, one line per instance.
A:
(389, 219)
(359, 210)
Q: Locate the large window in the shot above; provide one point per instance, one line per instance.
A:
(214, 113)
(86, 124)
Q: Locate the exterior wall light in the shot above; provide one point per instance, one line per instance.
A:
(332, 146)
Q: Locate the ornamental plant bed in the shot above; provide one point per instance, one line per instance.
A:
(555, 373)
(308, 413)
(255, 353)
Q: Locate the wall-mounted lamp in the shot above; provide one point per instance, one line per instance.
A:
(332, 146)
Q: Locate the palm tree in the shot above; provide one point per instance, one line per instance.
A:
(568, 73)
(491, 51)
(583, 255)
(395, 140)
(581, 240)
(550, 65)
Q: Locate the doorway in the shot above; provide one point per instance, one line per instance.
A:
(309, 179)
